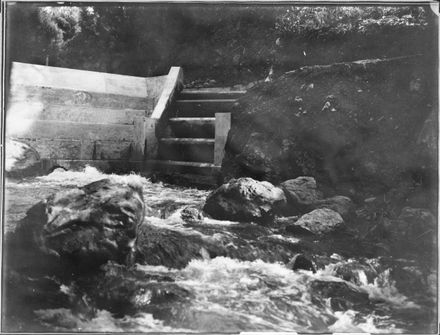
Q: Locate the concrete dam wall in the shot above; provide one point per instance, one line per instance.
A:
(74, 117)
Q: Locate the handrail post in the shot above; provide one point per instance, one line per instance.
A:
(172, 86)
(222, 127)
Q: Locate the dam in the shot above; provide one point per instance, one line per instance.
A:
(118, 123)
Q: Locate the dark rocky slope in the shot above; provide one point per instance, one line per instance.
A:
(361, 129)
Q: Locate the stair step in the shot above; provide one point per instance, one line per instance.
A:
(204, 108)
(189, 127)
(188, 94)
(193, 120)
(187, 149)
(193, 141)
(184, 167)
(190, 180)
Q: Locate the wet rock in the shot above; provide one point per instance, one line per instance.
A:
(342, 295)
(245, 199)
(23, 294)
(165, 246)
(21, 159)
(409, 277)
(320, 221)
(191, 215)
(84, 227)
(414, 231)
(418, 216)
(286, 220)
(125, 291)
(356, 272)
(413, 224)
(256, 156)
(300, 261)
(288, 223)
(301, 193)
(340, 204)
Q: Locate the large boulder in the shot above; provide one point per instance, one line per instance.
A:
(127, 290)
(84, 227)
(353, 123)
(357, 272)
(245, 199)
(342, 205)
(320, 221)
(162, 245)
(191, 215)
(256, 156)
(21, 159)
(341, 295)
(301, 193)
(301, 262)
(414, 229)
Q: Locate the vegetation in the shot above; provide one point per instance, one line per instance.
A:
(229, 44)
(340, 20)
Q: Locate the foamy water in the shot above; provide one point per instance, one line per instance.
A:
(227, 295)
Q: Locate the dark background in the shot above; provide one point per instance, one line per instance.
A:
(217, 45)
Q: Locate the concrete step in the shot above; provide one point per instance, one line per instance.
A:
(187, 149)
(188, 141)
(193, 127)
(205, 94)
(204, 108)
(182, 167)
(189, 180)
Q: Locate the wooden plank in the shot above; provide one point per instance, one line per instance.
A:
(37, 111)
(193, 127)
(139, 139)
(190, 141)
(75, 130)
(75, 149)
(193, 120)
(187, 152)
(151, 149)
(203, 94)
(204, 108)
(172, 86)
(59, 96)
(54, 148)
(105, 150)
(222, 127)
(56, 77)
(167, 166)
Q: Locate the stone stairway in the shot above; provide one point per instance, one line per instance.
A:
(193, 147)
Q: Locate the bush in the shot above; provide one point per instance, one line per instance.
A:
(339, 20)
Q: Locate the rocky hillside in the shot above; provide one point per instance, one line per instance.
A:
(361, 129)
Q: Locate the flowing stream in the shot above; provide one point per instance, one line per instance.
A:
(234, 292)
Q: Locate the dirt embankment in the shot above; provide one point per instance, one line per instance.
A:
(361, 129)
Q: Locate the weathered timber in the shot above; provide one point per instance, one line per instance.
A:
(75, 130)
(82, 114)
(59, 96)
(222, 127)
(80, 80)
(204, 108)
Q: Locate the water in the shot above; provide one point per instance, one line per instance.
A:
(249, 289)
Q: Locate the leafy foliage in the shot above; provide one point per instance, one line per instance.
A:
(340, 20)
(234, 43)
